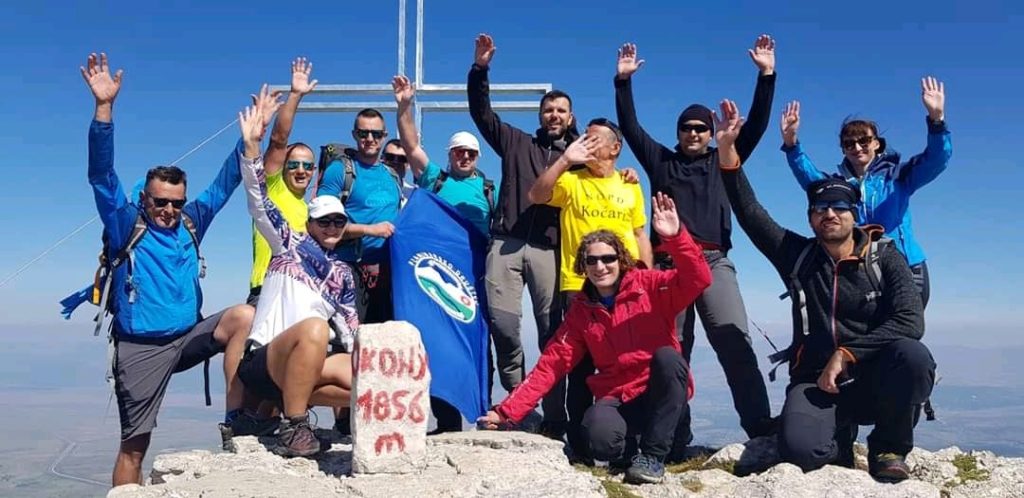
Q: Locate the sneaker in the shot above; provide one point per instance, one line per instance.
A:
(645, 469)
(888, 467)
(296, 438)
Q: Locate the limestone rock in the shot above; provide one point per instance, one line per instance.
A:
(756, 455)
(514, 464)
(390, 399)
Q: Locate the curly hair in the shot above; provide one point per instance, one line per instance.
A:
(626, 261)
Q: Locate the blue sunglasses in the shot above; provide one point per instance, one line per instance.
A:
(837, 206)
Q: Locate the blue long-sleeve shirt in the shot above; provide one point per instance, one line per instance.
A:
(887, 185)
(156, 293)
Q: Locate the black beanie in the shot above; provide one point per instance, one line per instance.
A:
(698, 112)
(832, 189)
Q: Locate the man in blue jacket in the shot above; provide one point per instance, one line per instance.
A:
(155, 296)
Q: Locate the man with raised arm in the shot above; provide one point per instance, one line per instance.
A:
(308, 301)
(156, 298)
(289, 168)
(461, 184)
(525, 235)
(856, 357)
(689, 174)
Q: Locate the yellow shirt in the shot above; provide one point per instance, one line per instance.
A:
(293, 209)
(591, 203)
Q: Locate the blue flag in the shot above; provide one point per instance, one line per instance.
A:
(438, 261)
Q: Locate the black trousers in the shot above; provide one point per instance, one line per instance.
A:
(449, 419)
(660, 415)
(817, 428)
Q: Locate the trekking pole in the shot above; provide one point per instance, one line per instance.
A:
(765, 334)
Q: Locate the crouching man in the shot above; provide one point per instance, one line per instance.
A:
(856, 357)
(624, 318)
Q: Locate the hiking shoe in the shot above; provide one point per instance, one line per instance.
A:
(645, 469)
(248, 424)
(296, 438)
(888, 467)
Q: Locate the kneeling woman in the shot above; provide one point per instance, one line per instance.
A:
(625, 319)
(285, 357)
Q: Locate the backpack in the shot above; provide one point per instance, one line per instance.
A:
(101, 280)
(345, 154)
(488, 189)
(872, 268)
(104, 275)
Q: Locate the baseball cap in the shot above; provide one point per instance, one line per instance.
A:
(324, 205)
(464, 139)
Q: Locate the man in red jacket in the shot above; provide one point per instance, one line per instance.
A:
(625, 320)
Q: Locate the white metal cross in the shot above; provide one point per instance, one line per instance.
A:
(422, 89)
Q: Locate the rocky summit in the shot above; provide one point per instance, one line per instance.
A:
(514, 464)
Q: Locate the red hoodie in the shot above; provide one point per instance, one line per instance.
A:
(623, 340)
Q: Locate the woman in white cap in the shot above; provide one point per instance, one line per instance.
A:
(307, 301)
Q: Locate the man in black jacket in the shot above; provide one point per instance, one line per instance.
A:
(525, 236)
(856, 356)
(689, 174)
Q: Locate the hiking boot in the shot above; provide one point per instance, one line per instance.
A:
(888, 467)
(248, 424)
(296, 438)
(645, 469)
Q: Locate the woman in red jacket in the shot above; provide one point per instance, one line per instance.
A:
(625, 319)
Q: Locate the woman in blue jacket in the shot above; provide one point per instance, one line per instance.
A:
(885, 182)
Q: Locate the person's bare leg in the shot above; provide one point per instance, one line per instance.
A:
(295, 360)
(335, 384)
(128, 466)
(233, 331)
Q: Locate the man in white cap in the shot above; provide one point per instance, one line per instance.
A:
(461, 185)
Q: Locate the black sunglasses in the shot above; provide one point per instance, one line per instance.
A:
(837, 206)
(863, 142)
(160, 202)
(337, 221)
(699, 128)
(604, 258)
(465, 152)
(377, 134)
(394, 158)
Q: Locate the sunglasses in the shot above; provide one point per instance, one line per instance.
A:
(604, 258)
(863, 142)
(294, 165)
(837, 206)
(377, 134)
(699, 128)
(394, 158)
(337, 221)
(468, 152)
(160, 202)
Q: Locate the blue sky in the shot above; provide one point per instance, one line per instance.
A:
(189, 69)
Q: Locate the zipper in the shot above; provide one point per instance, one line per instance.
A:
(835, 300)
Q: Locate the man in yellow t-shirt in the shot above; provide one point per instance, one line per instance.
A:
(289, 170)
(592, 198)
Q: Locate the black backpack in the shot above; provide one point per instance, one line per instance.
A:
(488, 189)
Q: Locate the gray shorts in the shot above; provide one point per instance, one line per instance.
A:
(143, 368)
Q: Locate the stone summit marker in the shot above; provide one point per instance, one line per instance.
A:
(390, 399)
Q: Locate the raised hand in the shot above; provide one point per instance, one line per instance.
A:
(404, 91)
(96, 74)
(267, 102)
(728, 124)
(933, 95)
(581, 150)
(790, 123)
(253, 127)
(763, 54)
(301, 68)
(484, 50)
(628, 62)
(664, 218)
